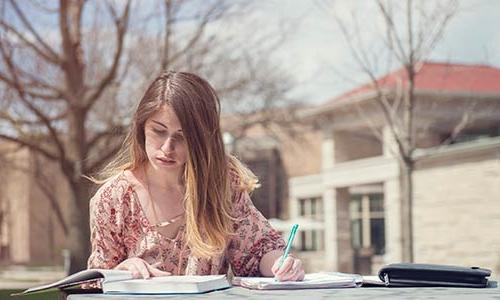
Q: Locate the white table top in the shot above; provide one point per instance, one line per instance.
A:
(492, 292)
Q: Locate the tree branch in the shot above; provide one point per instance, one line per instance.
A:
(437, 31)
(116, 131)
(16, 122)
(392, 33)
(54, 57)
(20, 91)
(31, 145)
(70, 15)
(169, 20)
(104, 158)
(466, 119)
(49, 58)
(199, 32)
(121, 28)
(47, 97)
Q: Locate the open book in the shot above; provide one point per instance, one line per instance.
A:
(122, 282)
(311, 281)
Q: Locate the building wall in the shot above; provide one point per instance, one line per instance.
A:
(314, 261)
(47, 235)
(457, 210)
(267, 166)
(456, 207)
(301, 156)
(16, 197)
(352, 146)
(31, 233)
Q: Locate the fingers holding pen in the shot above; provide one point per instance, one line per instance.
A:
(284, 268)
(295, 273)
(291, 269)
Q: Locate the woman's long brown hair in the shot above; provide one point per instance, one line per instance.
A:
(208, 195)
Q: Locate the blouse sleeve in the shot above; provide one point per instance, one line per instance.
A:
(106, 227)
(253, 238)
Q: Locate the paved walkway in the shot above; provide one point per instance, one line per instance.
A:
(20, 277)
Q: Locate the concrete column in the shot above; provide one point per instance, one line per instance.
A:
(294, 208)
(393, 234)
(327, 151)
(19, 210)
(331, 252)
(345, 251)
(338, 248)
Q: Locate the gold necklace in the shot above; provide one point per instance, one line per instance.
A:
(164, 223)
(168, 222)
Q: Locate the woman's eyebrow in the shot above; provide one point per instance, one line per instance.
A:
(163, 125)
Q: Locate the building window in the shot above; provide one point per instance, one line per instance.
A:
(311, 238)
(311, 208)
(367, 222)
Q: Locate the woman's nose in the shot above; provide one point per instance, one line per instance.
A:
(168, 145)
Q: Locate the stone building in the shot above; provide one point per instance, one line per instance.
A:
(356, 192)
(32, 204)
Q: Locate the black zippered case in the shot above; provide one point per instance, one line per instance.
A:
(417, 275)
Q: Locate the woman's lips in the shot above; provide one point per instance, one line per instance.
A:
(166, 160)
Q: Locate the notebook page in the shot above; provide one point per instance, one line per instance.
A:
(311, 280)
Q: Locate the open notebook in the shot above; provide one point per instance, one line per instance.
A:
(122, 282)
(311, 281)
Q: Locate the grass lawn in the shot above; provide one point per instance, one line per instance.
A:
(49, 295)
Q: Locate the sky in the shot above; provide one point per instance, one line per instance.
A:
(316, 55)
(319, 58)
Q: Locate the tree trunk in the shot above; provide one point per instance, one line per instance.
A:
(79, 233)
(406, 182)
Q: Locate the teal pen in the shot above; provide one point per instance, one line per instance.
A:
(289, 243)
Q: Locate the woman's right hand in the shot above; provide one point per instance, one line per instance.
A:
(141, 268)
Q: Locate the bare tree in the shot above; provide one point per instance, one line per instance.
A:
(252, 88)
(51, 99)
(71, 71)
(411, 31)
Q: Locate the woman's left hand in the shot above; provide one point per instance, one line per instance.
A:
(291, 270)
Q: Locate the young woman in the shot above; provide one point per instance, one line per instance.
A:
(173, 201)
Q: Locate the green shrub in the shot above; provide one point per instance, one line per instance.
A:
(48, 295)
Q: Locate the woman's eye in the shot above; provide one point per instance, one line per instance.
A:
(159, 131)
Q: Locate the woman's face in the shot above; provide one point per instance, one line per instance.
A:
(165, 144)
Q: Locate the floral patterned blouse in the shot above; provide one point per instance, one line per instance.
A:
(120, 230)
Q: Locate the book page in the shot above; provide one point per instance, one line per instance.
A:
(181, 279)
(187, 278)
(311, 280)
(84, 276)
(372, 280)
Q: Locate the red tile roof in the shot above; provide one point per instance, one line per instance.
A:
(442, 77)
